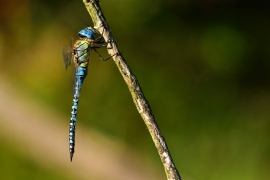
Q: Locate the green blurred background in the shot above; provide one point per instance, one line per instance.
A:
(204, 67)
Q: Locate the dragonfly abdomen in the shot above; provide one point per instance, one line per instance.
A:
(80, 75)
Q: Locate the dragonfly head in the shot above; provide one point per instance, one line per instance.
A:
(87, 33)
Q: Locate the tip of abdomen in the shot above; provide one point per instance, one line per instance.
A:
(71, 156)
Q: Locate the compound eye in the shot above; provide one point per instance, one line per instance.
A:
(82, 36)
(87, 33)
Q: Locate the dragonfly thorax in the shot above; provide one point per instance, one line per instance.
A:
(81, 51)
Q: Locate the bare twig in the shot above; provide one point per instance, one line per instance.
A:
(138, 97)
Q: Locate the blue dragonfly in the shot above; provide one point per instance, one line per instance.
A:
(79, 53)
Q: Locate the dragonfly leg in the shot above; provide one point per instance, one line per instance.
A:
(116, 54)
(100, 42)
(100, 39)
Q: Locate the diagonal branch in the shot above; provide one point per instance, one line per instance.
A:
(138, 97)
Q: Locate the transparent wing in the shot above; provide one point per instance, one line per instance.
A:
(67, 54)
(74, 79)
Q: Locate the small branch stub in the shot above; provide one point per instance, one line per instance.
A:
(138, 97)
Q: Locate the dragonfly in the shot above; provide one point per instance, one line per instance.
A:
(79, 54)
